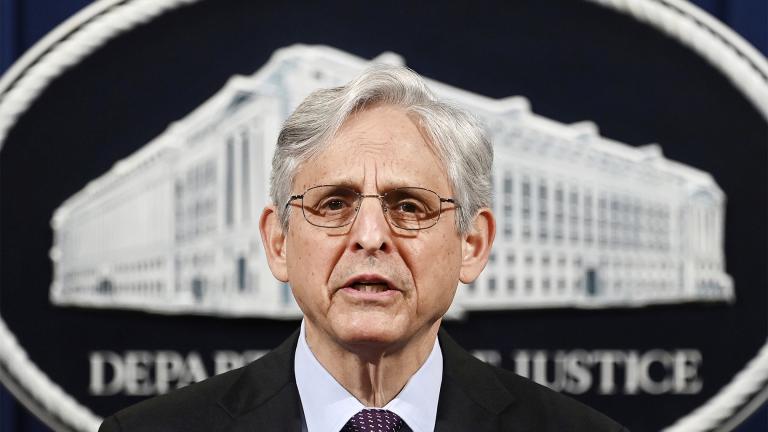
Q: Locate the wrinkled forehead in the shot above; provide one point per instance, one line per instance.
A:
(384, 146)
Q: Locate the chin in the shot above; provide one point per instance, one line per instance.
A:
(371, 333)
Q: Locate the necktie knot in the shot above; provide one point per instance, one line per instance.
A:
(374, 420)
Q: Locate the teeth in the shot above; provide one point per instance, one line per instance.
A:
(372, 287)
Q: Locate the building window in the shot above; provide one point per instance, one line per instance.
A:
(615, 222)
(602, 221)
(588, 208)
(526, 208)
(229, 207)
(508, 204)
(665, 228)
(561, 285)
(592, 282)
(242, 274)
(507, 182)
(559, 212)
(543, 211)
(635, 225)
(511, 285)
(573, 210)
(246, 174)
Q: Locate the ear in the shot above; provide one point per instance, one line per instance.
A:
(476, 245)
(274, 240)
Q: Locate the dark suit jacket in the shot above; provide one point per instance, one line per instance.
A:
(263, 396)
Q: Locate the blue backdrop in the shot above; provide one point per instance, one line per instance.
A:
(24, 22)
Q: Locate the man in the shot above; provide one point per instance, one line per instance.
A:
(380, 207)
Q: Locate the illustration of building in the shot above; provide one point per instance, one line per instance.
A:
(583, 221)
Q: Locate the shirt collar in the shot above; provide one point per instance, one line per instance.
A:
(328, 406)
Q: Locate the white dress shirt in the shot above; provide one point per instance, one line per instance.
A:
(328, 406)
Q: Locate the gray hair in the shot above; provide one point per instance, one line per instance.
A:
(459, 140)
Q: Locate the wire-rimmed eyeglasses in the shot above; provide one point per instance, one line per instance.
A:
(333, 206)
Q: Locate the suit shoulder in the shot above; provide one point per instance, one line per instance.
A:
(190, 408)
(519, 403)
(212, 404)
(566, 413)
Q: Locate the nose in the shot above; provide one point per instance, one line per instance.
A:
(371, 231)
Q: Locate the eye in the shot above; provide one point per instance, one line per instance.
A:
(409, 207)
(411, 203)
(335, 204)
(329, 202)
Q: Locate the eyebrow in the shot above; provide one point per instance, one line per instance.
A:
(382, 190)
(355, 185)
(346, 182)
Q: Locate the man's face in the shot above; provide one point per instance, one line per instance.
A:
(370, 283)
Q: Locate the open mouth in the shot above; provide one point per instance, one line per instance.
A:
(370, 287)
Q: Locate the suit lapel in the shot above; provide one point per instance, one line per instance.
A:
(457, 412)
(280, 413)
(265, 396)
(471, 397)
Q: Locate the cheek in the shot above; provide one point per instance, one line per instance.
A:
(436, 269)
(305, 252)
(309, 263)
(312, 256)
(444, 252)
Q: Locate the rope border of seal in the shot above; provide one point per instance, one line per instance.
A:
(66, 45)
(62, 48)
(103, 20)
(728, 52)
(747, 69)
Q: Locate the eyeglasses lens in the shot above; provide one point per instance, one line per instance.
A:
(330, 206)
(412, 208)
(409, 208)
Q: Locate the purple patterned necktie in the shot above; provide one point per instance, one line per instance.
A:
(374, 420)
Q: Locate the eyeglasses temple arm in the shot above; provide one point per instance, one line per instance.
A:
(293, 198)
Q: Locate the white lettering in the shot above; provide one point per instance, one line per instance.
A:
(137, 374)
(664, 360)
(146, 373)
(606, 372)
(687, 363)
(540, 372)
(224, 361)
(169, 366)
(522, 363)
(99, 386)
(607, 361)
(195, 370)
(579, 378)
(632, 374)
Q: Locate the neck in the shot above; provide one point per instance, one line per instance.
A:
(373, 374)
